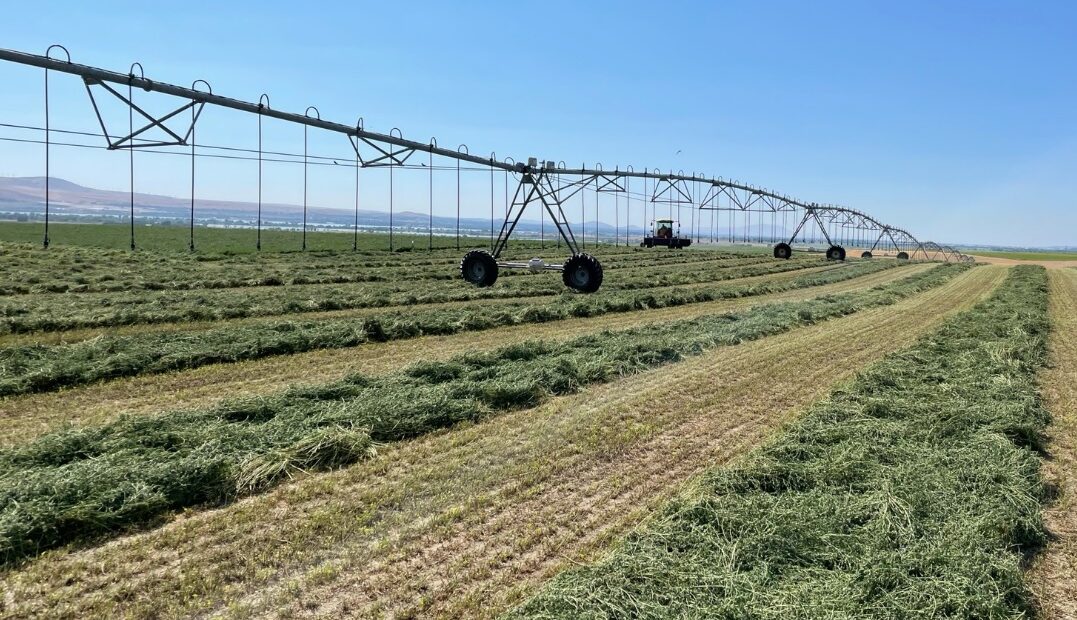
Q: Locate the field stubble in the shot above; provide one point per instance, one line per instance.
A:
(82, 483)
(468, 522)
(913, 491)
(80, 334)
(37, 368)
(27, 416)
(1054, 573)
(68, 311)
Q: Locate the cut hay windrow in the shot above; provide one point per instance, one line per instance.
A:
(27, 270)
(81, 483)
(64, 311)
(912, 492)
(42, 368)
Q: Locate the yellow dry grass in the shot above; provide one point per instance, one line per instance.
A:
(1049, 263)
(466, 522)
(25, 417)
(1054, 573)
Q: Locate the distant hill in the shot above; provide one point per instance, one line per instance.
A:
(26, 195)
(23, 192)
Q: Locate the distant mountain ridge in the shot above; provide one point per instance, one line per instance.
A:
(26, 195)
(30, 191)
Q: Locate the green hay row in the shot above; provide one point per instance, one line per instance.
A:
(80, 483)
(42, 368)
(911, 493)
(59, 270)
(39, 313)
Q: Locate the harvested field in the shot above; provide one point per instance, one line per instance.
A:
(53, 312)
(469, 521)
(1054, 573)
(269, 455)
(912, 492)
(1051, 260)
(27, 416)
(36, 368)
(73, 484)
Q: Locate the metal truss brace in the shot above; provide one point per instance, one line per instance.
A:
(576, 186)
(389, 157)
(128, 141)
(535, 187)
(810, 213)
(668, 190)
(611, 184)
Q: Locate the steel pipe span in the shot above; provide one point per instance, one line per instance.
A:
(394, 149)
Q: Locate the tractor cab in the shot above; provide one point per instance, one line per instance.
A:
(664, 234)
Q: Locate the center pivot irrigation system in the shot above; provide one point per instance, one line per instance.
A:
(545, 182)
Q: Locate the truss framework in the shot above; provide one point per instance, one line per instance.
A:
(535, 183)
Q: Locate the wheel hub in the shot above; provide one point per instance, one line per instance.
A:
(580, 277)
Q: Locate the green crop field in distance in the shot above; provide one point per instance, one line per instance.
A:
(209, 240)
(217, 240)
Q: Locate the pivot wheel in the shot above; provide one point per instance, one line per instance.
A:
(903, 256)
(782, 250)
(866, 254)
(479, 268)
(835, 252)
(583, 273)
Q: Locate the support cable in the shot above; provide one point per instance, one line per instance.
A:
(131, 153)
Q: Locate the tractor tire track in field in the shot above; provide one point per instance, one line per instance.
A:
(469, 521)
(28, 416)
(1054, 572)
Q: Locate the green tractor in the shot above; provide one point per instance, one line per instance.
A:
(663, 235)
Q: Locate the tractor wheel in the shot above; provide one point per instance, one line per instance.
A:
(903, 256)
(783, 251)
(835, 252)
(583, 273)
(865, 254)
(479, 268)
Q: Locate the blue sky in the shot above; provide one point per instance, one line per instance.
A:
(955, 120)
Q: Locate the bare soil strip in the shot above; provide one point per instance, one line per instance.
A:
(467, 522)
(1054, 573)
(25, 417)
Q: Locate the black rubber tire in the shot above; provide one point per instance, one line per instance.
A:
(583, 273)
(479, 268)
(903, 256)
(865, 254)
(783, 251)
(835, 252)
